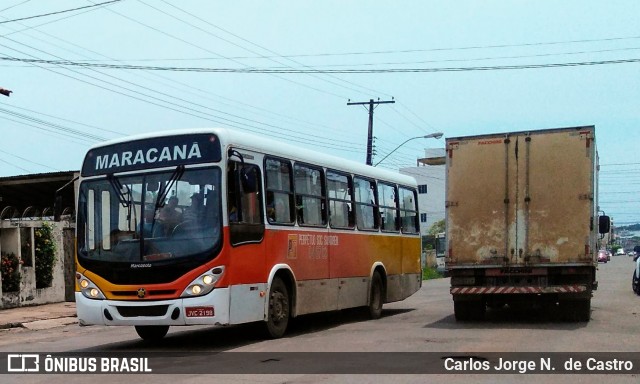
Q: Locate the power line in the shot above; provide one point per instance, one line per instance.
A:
(15, 165)
(191, 111)
(15, 5)
(71, 131)
(206, 50)
(189, 88)
(27, 160)
(323, 71)
(394, 52)
(59, 12)
(252, 43)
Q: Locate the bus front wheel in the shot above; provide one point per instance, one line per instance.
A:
(152, 332)
(279, 309)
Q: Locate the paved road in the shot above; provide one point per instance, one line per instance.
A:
(422, 323)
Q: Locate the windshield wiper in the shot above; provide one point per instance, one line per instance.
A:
(164, 189)
(117, 186)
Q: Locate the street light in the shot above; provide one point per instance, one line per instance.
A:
(436, 135)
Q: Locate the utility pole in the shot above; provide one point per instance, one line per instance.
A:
(370, 134)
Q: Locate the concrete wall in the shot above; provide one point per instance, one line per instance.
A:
(14, 235)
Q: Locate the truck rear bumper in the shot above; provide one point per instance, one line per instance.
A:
(508, 290)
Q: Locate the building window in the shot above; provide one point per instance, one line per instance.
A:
(422, 189)
(423, 217)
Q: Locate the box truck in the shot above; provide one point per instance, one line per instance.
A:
(522, 221)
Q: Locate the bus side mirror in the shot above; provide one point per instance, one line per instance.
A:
(604, 224)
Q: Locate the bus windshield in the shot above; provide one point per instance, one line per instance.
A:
(150, 217)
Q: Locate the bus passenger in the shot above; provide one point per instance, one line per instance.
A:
(169, 216)
(195, 211)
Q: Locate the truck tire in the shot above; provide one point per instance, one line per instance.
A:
(576, 310)
(469, 310)
(635, 283)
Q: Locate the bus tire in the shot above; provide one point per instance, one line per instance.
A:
(376, 296)
(279, 309)
(635, 283)
(152, 332)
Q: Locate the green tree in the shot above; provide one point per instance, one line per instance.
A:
(45, 255)
(437, 227)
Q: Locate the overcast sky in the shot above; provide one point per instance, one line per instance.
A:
(56, 111)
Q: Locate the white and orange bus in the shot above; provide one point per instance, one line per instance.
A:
(213, 226)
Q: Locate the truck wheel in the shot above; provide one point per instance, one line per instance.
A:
(635, 283)
(376, 296)
(279, 309)
(469, 310)
(461, 310)
(152, 332)
(577, 310)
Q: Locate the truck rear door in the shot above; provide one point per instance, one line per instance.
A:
(520, 198)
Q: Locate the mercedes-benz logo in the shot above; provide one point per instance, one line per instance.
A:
(141, 293)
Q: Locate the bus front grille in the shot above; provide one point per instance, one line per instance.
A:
(151, 310)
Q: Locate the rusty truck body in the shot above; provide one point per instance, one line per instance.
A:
(522, 220)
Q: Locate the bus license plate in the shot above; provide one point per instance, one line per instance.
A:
(199, 311)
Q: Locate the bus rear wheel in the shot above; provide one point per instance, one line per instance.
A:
(279, 309)
(376, 296)
(152, 332)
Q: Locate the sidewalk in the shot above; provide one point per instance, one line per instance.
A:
(39, 317)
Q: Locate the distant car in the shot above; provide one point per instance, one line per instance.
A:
(635, 281)
(620, 252)
(603, 256)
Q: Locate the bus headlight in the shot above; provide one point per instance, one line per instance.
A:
(204, 283)
(88, 288)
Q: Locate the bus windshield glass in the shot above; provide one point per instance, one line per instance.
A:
(151, 217)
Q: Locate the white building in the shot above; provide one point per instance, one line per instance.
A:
(430, 175)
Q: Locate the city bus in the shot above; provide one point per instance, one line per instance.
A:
(219, 227)
(441, 252)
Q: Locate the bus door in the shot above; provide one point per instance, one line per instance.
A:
(246, 229)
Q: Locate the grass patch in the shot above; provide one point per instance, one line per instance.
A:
(430, 273)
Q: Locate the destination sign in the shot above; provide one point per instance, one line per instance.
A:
(155, 152)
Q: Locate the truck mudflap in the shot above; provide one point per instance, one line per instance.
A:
(518, 290)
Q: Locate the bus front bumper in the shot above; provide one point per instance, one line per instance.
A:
(211, 309)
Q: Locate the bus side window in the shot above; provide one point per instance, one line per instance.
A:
(409, 211)
(340, 194)
(244, 206)
(387, 198)
(310, 195)
(280, 202)
(366, 204)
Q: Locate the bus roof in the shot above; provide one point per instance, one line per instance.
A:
(263, 144)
